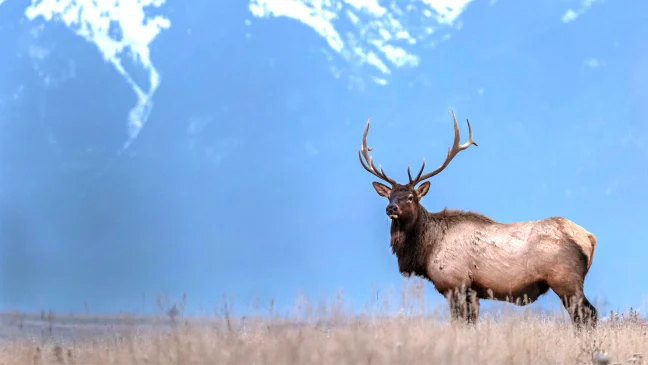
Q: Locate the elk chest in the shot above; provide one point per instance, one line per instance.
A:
(441, 265)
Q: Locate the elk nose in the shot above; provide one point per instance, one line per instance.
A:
(392, 209)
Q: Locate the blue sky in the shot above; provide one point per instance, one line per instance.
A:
(218, 152)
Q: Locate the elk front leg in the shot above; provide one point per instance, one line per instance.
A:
(464, 305)
(473, 307)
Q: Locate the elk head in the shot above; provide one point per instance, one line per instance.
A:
(404, 200)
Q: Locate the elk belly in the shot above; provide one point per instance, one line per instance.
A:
(506, 278)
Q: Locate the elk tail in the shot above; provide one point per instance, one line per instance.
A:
(592, 240)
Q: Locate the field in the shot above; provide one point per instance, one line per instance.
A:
(321, 334)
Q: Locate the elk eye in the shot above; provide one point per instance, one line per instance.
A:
(410, 198)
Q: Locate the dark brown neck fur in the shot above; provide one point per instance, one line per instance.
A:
(457, 215)
(413, 243)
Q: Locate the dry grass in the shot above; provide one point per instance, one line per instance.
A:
(327, 336)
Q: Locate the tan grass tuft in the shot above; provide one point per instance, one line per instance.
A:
(327, 334)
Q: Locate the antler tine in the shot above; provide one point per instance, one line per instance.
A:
(417, 176)
(369, 166)
(452, 152)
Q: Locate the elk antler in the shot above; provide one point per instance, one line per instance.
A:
(452, 152)
(364, 152)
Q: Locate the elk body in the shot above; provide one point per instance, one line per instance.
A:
(468, 256)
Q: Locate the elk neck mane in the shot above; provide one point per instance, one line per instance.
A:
(457, 215)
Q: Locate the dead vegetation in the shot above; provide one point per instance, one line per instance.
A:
(327, 334)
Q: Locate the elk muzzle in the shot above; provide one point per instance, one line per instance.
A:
(393, 211)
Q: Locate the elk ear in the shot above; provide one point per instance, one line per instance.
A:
(381, 189)
(423, 189)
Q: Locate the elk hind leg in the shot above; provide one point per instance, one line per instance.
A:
(567, 281)
(581, 311)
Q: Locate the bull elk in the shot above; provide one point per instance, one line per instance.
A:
(468, 256)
